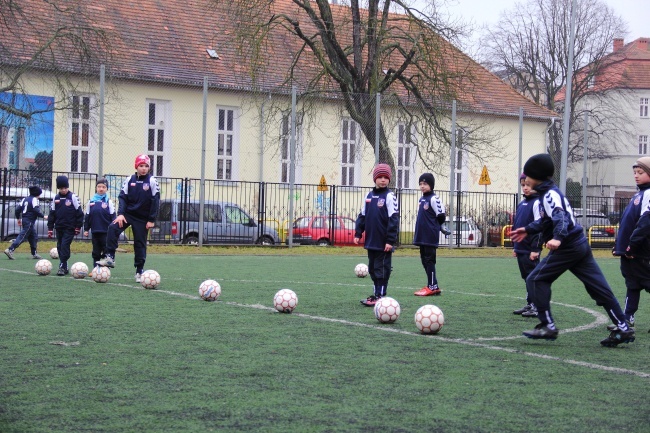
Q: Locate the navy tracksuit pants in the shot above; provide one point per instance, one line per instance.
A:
(99, 247)
(379, 267)
(64, 238)
(580, 261)
(140, 233)
(27, 231)
(526, 266)
(428, 259)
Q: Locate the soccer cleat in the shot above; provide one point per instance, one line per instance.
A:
(370, 301)
(138, 277)
(542, 331)
(425, 291)
(107, 261)
(522, 309)
(9, 254)
(612, 327)
(61, 272)
(532, 312)
(617, 337)
(36, 256)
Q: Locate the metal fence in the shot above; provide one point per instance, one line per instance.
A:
(269, 204)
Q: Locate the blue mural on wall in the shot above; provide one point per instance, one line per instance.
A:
(26, 136)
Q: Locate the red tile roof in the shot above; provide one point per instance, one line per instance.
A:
(166, 41)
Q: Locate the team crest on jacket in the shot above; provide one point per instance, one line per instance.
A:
(426, 206)
(68, 202)
(145, 186)
(637, 200)
(381, 202)
(132, 183)
(104, 205)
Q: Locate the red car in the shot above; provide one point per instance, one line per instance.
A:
(315, 230)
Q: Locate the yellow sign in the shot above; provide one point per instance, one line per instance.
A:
(485, 177)
(322, 185)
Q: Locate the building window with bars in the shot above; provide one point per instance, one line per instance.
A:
(81, 142)
(226, 143)
(405, 157)
(285, 149)
(643, 107)
(643, 144)
(157, 136)
(349, 152)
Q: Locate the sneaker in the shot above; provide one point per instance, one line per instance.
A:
(36, 256)
(137, 277)
(62, 271)
(9, 254)
(370, 301)
(108, 261)
(617, 337)
(425, 291)
(522, 309)
(542, 331)
(532, 312)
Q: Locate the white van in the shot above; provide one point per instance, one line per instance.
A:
(223, 222)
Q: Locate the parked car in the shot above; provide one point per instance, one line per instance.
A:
(500, 223)
(315, 230)
(599, 223)
(466, 228)
(223, 222)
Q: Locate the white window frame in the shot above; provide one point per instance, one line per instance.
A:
(285, 149)
(350, 141)
(643, 144)
(158, 136)
(405, 164)
(643, 107)
(81, 135)
(227, 144)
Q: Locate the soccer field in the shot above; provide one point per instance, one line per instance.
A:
(82, 356)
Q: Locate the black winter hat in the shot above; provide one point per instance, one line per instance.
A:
(35, 191)
(539, 166)
(62, 182)
(429, 179)
(102, 180)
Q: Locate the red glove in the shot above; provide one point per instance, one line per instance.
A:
(50, 234)
(77, 231)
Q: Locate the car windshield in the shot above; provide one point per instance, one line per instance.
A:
(301, 223)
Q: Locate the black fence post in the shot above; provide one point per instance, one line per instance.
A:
(4, 202)
(261, 208)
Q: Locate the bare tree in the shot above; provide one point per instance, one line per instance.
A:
(356, 51)
(529, 48)
(56, 38)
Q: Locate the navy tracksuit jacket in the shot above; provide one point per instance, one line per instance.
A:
(99, 215)
(28, 211)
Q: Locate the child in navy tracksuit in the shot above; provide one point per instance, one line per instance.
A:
(379, 218)
(431, 216)
(527, 251)
(66, 216)
(100, 212)
(26, 215)
(633, 240)
(138, 207)
(569, 251)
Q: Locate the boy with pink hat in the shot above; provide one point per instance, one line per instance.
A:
(139, 200)
(379, 219)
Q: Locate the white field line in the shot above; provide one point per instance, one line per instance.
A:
(600, 319)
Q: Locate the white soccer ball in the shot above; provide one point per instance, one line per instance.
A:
(429, 319)
(209, 290)
(387, 310)
(43, 267)
(54, 253)
(285, 300)
(361, 270)
(101, 274)
(79, 270)
(150, 279)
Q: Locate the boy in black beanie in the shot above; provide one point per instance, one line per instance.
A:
(66, 215)
(431, 216)
(26, 214)
(569, 251)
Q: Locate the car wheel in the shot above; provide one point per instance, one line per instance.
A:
(323, 242)
(191, 240)
(265, 240)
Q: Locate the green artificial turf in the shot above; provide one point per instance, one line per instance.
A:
(79, 356)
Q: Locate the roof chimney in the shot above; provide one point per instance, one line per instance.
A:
(618, 44)
(642, 43)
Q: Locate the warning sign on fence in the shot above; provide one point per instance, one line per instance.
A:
(485, 177)
(322, 185)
